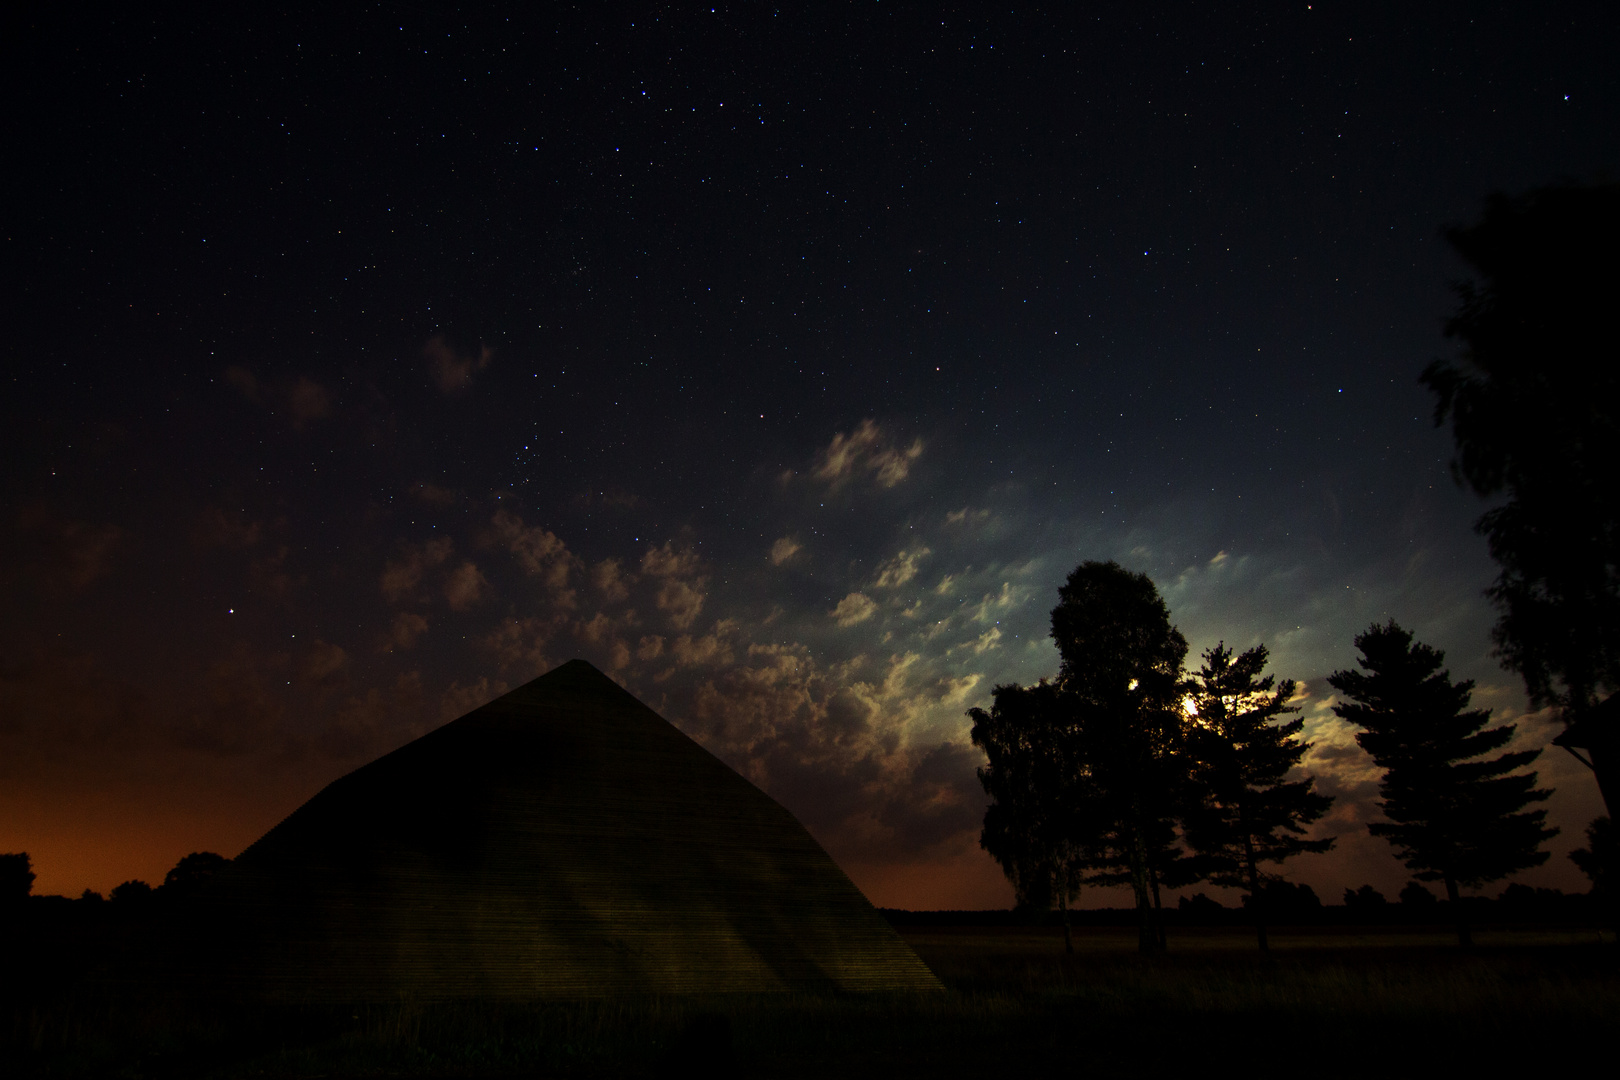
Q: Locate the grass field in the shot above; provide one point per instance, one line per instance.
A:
(1327, 1002)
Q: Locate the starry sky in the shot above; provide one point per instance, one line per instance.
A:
(366, 361)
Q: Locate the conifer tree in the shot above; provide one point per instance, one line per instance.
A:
(1455, 815)
(1244, 813)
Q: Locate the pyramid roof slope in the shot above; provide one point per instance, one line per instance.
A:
(563, 840)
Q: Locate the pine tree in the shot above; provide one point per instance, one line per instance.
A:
(1455, 816)
(1244, 813)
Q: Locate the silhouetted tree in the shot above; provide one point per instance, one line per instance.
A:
(1121, 678)
(1367, 898)
(1454, 815)
(1598, 861)
(1243, 812)
(192, 870)
(16, 877)
(1531, 405)
(1286, 899)
(1414, 895)
(131, 893)
(1045, 825)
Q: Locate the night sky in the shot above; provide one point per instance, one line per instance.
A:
(367, 362)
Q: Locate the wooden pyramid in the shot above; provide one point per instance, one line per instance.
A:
(562, 841)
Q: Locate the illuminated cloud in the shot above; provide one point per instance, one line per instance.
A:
(464, 587)
(523, 645)
(611, 580)
(323, 662)
(538, 550)
(852, 609)
(986, 641)
(407, 627)
(900, 569)
(682, 587)
(784, 550)
(401, 576)
(453, 370)
(967, 516)
(458, 700)
(867, 449)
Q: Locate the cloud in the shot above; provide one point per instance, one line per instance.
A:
(433, 494)
(243, 380)
(401, 576)
(995, 603)
(784, 549)
(453, 370)
(900, 569)
(464, 587)
(524, 643)
(683, 587)
(839, 750)
(852, 609)
(867, 449)
(967, 516)
(986, 641)
(540, 552)
(611, 580)
(308, 400)
(323, 662)
(217, 528)
(71, 553)
(457, 700)
(408, 626)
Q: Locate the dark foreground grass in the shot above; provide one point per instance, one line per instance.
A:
(1333, 1002)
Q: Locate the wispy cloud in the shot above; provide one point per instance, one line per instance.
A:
(866, 450)
(852, 609)
(454, 370)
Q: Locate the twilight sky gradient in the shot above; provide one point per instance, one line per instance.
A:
(364, 363)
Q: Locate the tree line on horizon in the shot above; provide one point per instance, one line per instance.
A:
(1125, 769)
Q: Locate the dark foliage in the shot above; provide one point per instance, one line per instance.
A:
(1121, 675)
(191, 872)
(1532, 402)
(1241, 743)
(1045, 824)
(1413, 894)
(1598, 859)
(131, 894)
(1366, 898)
(16, 877)
(1455, 815)
(1285, 899)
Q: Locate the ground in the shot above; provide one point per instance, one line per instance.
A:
(1334, 1001)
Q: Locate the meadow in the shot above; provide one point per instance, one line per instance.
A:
(1332, 1001)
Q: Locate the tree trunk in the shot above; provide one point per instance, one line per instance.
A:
(1465, 936)
(1063, 906)
(1158, 909)
(1256, 897)
(1147, 941)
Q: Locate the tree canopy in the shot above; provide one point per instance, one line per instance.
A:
(1455, 815)
(1121, 679)
(1045, 825)
(1534, 405)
